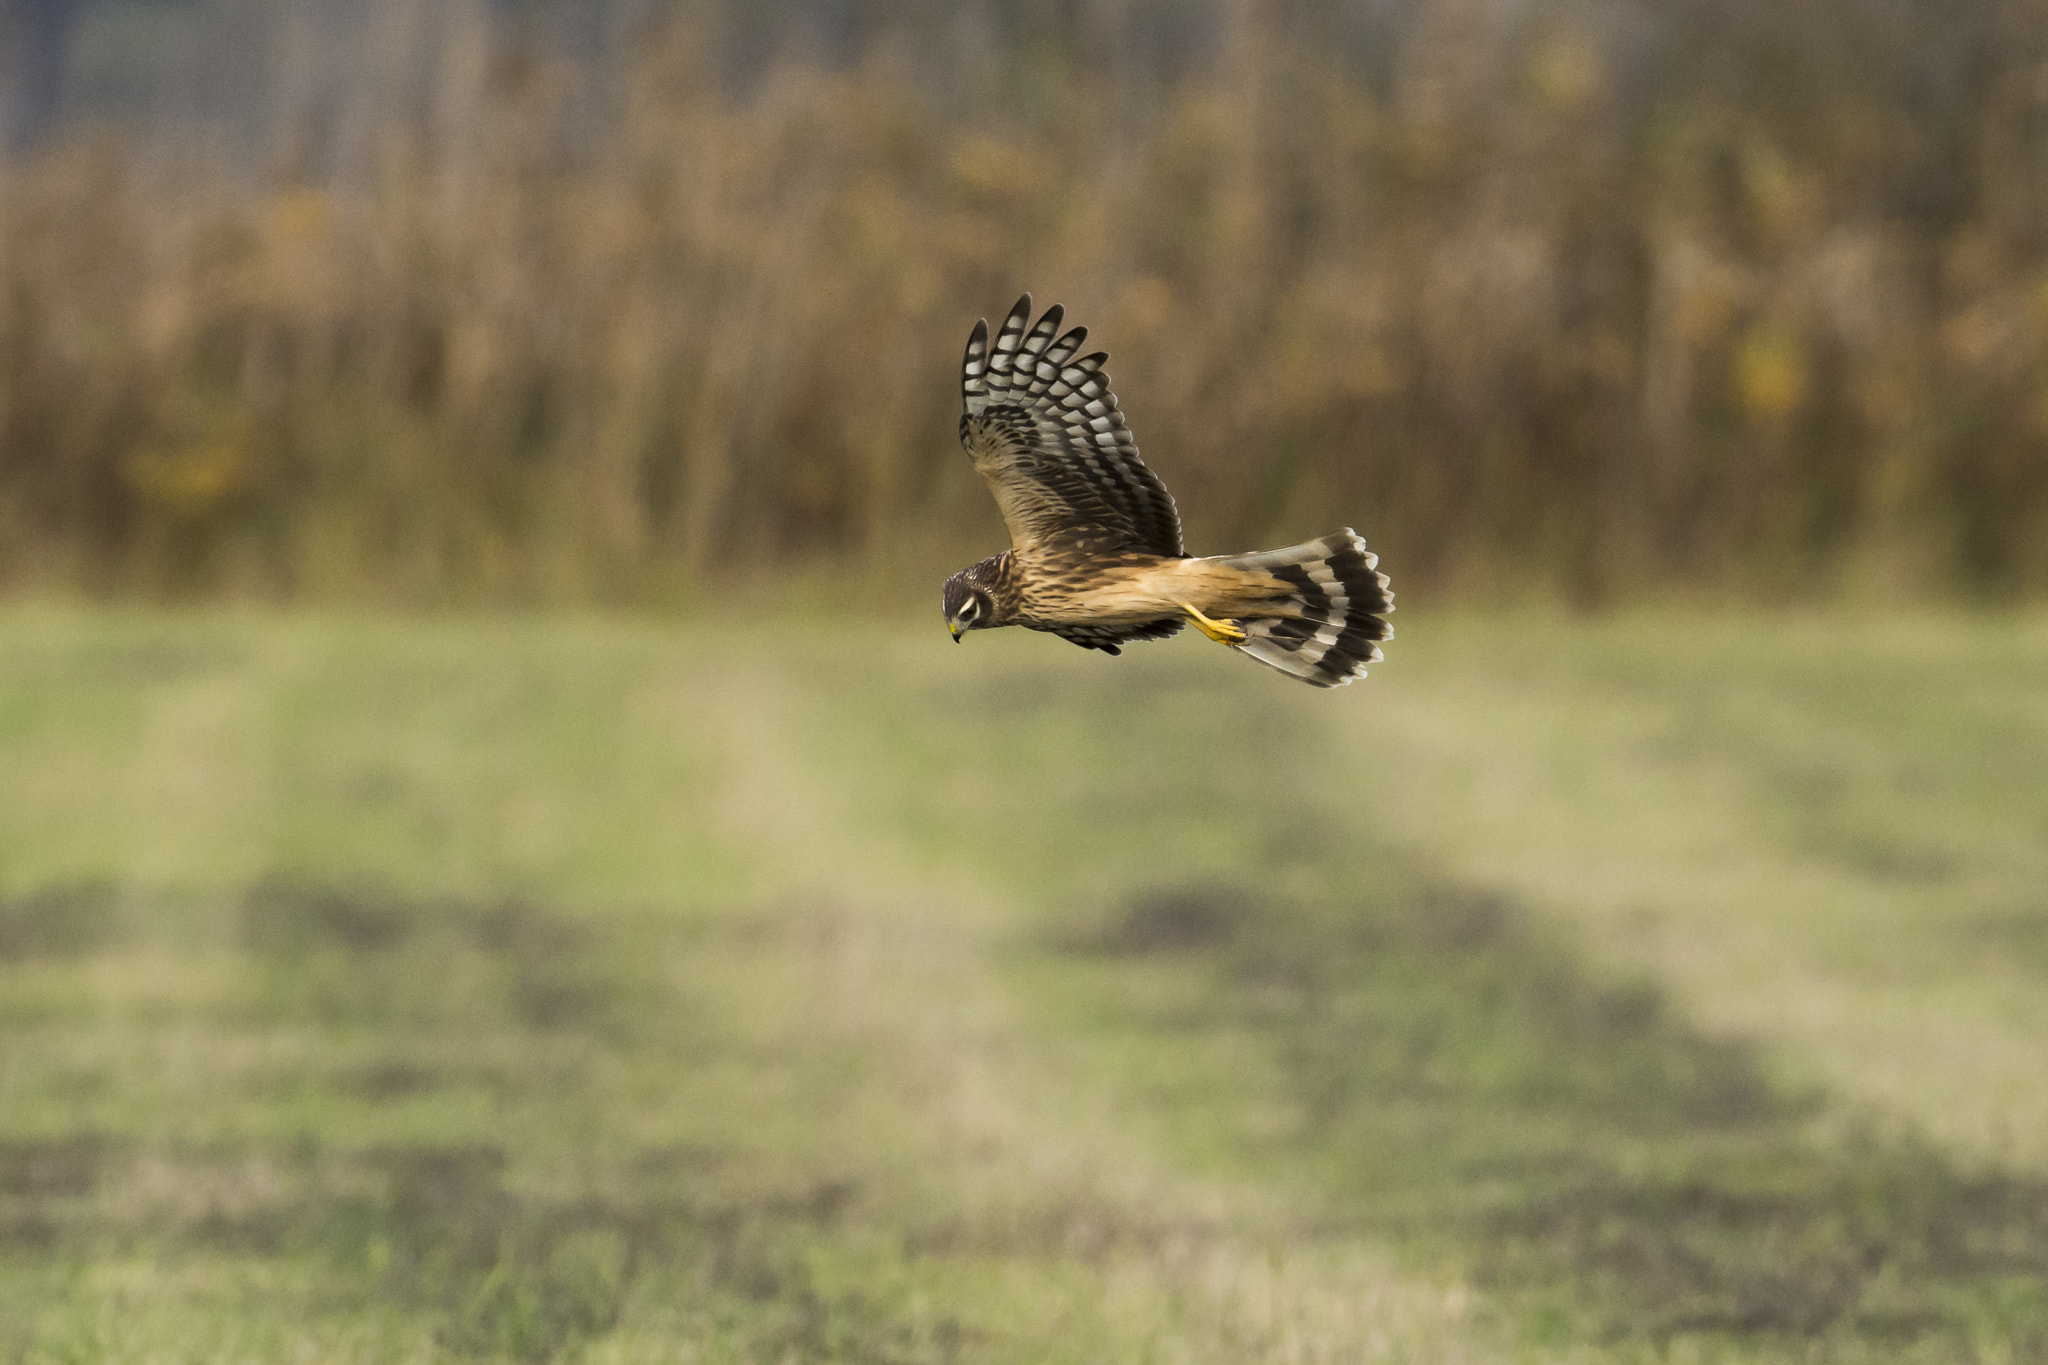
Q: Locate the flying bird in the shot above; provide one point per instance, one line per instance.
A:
(1095, 552)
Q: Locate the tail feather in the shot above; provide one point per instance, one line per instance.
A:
(1330, 624)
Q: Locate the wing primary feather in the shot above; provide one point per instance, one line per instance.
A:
(1060, 351)
(1041, 336)
(974, 368)
(1004, 355)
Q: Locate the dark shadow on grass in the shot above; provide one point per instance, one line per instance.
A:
(438, 1230)
(1170, 919)
(64, 921)
(1463, 1079)
(43, 1181)
(2017, 937)
(362, 950)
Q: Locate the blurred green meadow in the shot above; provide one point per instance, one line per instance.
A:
(1649, 987)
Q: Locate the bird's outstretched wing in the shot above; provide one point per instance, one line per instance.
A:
(1045, 432)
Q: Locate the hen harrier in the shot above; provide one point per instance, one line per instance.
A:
(1095, 554)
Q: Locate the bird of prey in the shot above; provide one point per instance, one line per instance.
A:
(1095, 552)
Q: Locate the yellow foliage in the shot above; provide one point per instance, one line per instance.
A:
(998, 169)
(301, 214)
(191, 482)
(1564, 71)
(1771, 374)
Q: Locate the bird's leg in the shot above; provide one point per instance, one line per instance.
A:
(1222, 632)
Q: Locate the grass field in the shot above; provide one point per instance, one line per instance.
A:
(1654, 988)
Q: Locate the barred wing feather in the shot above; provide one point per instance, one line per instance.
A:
(1045, 432)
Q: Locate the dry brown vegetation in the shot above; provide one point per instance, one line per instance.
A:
(1761, 305)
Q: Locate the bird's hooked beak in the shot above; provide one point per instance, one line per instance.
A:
(958, 630)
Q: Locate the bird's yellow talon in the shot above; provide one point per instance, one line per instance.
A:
(1222, 632)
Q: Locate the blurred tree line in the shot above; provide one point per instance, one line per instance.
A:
(520, 301)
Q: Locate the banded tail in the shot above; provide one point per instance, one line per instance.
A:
(1333, 614)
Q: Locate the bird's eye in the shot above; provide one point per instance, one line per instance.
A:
(971, 610)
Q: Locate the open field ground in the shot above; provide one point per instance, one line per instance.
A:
(1646, 988)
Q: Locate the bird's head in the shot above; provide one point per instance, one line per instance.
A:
(969, 606)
